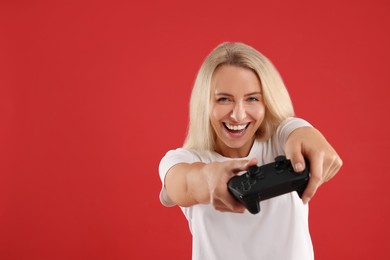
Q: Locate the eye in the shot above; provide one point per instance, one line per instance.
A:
(253, 99)
(223, 100)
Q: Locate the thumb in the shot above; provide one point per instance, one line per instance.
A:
(250, 163)
(242, 165)
(297, 159)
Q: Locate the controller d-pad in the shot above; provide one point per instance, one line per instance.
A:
(246, 188)
(247, 184)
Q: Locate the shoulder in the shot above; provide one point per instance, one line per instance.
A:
(274, 146)
(183, 155)
(290, 124)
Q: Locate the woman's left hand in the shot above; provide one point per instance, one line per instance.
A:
(308, 142)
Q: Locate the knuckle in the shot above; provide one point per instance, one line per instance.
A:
(317, 179)
(336, 163)
(339, 162)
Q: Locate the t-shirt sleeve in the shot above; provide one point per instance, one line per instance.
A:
(172, 158)
(285, 129)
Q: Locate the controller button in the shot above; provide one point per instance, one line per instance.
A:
(280, 158)
(244, 182)
(280, 162)
(247, 188)
(245, 185)
(253, 171)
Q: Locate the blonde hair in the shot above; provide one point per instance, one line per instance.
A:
(277, 101)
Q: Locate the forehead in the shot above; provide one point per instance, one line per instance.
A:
(234, 79)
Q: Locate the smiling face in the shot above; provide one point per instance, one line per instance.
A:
(237, 109)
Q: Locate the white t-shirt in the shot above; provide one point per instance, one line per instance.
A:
(279, 231)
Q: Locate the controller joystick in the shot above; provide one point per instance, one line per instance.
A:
(254, 172)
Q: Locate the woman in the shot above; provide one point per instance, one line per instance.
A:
(241, 115)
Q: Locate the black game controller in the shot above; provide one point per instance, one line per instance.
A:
(268, 181)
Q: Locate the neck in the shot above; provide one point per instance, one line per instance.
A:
(231, 152)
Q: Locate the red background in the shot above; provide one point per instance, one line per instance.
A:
(93, 93)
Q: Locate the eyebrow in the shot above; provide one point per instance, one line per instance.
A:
(229, 95)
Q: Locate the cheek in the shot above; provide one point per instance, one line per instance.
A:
(218, 113)
(258, 112)
(213, 118)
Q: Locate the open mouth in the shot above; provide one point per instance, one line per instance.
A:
(235, 129)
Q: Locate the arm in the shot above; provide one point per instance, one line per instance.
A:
(190, 184)
(324, 161)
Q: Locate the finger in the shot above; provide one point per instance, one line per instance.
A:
(311, 189)
(242, 165)
(236, 208)
(250, 163)
(327, 174)
(225, 209)
(334, 168)
(222, 200)
(316, 179)
(328, 169)
(228, 205)
(296, 157)
(233, 204)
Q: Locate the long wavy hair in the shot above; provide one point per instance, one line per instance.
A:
(277, 101)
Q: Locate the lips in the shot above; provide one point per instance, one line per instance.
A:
(235, 129)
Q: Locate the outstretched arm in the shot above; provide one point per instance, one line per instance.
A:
(190, 184)
(324, 161)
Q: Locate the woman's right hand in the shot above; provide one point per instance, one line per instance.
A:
(204, 183)
(218, 175)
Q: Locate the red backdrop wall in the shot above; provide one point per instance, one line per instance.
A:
(93, 93)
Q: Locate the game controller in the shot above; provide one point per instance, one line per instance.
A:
(268, 181)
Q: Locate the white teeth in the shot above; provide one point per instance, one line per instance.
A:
(236, 127)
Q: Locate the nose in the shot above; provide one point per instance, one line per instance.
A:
(238, 114)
